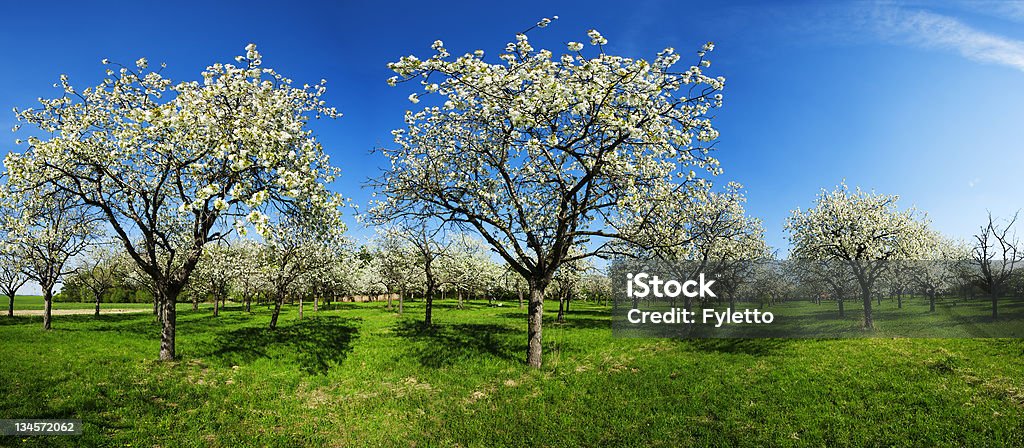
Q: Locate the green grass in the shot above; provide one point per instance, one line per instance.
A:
(36, 303)
(358, 375)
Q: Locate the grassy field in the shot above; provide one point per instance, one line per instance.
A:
(358, 375)
(36, 303)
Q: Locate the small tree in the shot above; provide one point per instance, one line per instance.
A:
(302, 240)
(429, 245)
(214, 274)
(859, 231)
(12, 273)
(937, 269)
(100, 273)
(996, 254)
(396, 264)
(50, 231)
(249, 271)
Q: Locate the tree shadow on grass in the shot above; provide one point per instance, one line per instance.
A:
(317, 343)
(739, 346)
(19, 320)
(572, 321)
(446, 344)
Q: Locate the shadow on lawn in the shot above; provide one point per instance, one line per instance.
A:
(317, 343)
(445, 344)
(19, 320)
(739, 346)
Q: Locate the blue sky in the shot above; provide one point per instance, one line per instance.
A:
(923, 100)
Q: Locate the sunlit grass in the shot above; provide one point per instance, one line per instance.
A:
(359, 375)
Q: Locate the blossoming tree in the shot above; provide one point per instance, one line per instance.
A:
(100, 272)
(539, 153)
(12, 264)
(49, 232)
(859, 232)
(938, 267)
(172, 167)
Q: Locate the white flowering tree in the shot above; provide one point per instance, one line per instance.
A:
(12, 273)
(302, 240)
(426, 238)
(569, 282)
(214, 274)
(172, 167)
(249, 274)
(540, 152)
(937, 269)
(50, 230)
(395, 264)
(860, 232)
(468, 268)
(710, 233)
(100, 272)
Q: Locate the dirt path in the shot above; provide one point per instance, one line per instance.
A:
(84, 311)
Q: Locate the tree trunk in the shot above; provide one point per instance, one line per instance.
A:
(866, 295)
(98, 296)
(10, 306)
(248, 303)
(842, 308)
(401, 300)
(427, 318)
(535, 322)
(278, 301)
(931, 302)
(995, 306)
(47, 306)
(169, 320)
(389, 299)
(195, 302)
(561, 310)
(300, 307)
(459, 293)
(216, 307)
(899, 301)
(316, 303)
(519, 291)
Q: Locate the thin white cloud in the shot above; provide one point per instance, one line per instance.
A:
(930, 30)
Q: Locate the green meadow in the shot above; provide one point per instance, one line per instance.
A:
(36, 303)
(359, 375)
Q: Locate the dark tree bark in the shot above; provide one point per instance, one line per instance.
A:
(47, 306)
(866, 294)
(535, 318)
(278, 301)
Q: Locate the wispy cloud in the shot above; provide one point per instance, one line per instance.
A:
(931, 30)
